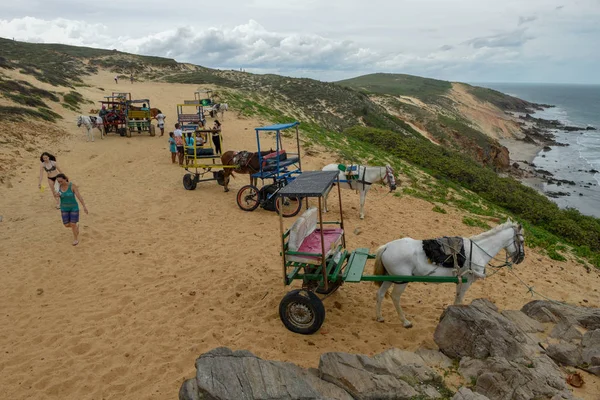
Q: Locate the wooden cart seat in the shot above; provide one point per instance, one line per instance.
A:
(188, 118)
(305, 237)
(272, 164)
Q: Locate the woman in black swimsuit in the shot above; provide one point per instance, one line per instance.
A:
(48, 163)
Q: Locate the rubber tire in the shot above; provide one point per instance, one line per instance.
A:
(307, 299)
(293, 213)
(239, 196)
(332, 287)
(189, 183)
(152, 130)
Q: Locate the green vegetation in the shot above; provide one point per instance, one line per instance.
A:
(428, 90)
(20, 113)
(439, 209)
(73, 99)
(475, 222)
(501, 100)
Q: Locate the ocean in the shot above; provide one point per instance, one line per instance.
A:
(576, 105)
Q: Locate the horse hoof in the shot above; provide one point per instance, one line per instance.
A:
(408, 325)
(380, 319)
(226, 190)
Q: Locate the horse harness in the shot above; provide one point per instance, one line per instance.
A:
(388, 174)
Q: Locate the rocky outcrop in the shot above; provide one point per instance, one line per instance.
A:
(501, 355)
(394, 374)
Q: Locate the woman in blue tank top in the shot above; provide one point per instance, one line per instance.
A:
(69, 208)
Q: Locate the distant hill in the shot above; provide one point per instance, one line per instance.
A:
(424, 89)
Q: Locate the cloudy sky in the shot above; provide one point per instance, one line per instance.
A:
(554, 41)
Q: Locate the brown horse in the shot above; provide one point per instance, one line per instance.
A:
(250, 166)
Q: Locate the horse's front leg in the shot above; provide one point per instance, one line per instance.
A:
(363, 195)
(460, 292)
(380, 296)
(396, 293)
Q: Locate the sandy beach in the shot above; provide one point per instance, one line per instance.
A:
(162, 274)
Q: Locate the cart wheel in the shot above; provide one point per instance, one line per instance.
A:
(152, 130)
(247, 198)
(301, 311)
(331, 287)
(189, 183)
(288, 206)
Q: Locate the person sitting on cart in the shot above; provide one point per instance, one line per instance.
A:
(201, 138)
(144, 107)
(103, 112)
(189, 142)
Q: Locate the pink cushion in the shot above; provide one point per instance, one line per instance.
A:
(312, 244)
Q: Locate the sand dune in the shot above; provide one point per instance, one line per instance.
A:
(163, 274)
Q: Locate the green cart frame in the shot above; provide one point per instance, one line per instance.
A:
(314, 252)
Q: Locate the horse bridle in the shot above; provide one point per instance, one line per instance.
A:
(518, 255)
(389, 175)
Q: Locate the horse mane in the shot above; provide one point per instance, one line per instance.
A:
(494, 230)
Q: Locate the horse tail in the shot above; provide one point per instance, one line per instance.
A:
(379, 267)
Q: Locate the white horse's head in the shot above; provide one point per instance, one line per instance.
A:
(516, 247)
(389, 177)
(79, 121)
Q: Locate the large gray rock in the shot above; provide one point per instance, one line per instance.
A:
(547, 311)
(526, 323)
(501, 379)
(590, 351)
(565, 353)
(434, 358)
(393, 374)
(566, 330)
(467, 394)
(224, 374)
(478, 330)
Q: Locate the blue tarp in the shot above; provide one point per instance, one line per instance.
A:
(278, 127)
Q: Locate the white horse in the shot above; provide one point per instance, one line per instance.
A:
(405, 257)
(220, 108)
(91, 122)
(363, 181)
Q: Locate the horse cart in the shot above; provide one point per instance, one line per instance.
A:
(114, 116)
(280, 166)
(139, 118)
(190, 115)
(201, 160)
(315, 252)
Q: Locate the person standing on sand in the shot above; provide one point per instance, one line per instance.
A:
(69, 209)
(131, 79)
(217, 138)
(178, 135)
(172, 147)
(49, 164)
(117, 79)
(160, 120)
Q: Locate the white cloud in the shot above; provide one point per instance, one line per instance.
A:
(459, 40)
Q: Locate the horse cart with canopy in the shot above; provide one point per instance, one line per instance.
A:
(277, 164)
(201, 159)
(190, 115)
(114, 116)
(314, 251)
(139, 117)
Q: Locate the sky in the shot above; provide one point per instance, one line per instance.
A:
(550, 41)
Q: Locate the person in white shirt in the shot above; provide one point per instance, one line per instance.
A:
(160, 118)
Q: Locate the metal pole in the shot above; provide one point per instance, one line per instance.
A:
(298, 143)
(341, 212)
(282, 245)
(323, 266)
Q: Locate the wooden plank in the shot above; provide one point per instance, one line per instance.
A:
(357, 265)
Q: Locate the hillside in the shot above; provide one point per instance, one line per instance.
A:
(163, 274)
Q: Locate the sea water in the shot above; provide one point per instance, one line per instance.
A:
(575, 105)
